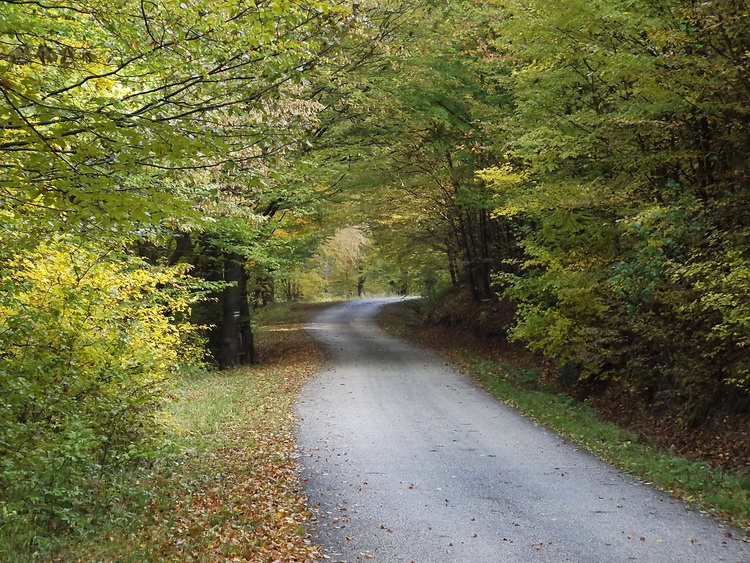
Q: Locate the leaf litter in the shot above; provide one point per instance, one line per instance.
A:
(241, 500)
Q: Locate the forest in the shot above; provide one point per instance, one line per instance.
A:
(170, 167)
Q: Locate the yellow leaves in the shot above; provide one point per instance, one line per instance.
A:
(505, 176)
(507, 182)
(119, 307)
(89, 355)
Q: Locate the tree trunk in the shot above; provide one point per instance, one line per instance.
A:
(247, 338)
(326, 277)
(361, 278)
(237, 342)
(183, 246)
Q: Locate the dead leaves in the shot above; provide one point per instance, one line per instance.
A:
(249, 507)
(243, 501)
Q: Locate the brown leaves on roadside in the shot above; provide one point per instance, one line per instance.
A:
(244, 502)
(248, 508)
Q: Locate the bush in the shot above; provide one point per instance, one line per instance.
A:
(89, 342)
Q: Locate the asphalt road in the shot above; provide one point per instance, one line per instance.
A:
(406, 460)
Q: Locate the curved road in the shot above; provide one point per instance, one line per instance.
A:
(406, 460)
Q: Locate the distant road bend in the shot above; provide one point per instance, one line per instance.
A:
(406, 460)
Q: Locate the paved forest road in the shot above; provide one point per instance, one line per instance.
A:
(408, 461)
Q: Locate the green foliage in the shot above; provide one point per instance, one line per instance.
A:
(408, 127)
(629, 170)
(91, 340)
(167, 128)
(95, 93)
(585, 158)
(591, 159)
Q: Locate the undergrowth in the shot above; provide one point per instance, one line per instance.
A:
(227, 486)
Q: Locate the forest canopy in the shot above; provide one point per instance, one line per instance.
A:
(170, 166)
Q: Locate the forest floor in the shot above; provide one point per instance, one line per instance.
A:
(232, 491)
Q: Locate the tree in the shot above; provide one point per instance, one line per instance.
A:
(408, 125)
(132, 126)
(344, 262)
(92, 339)
(102, 102)
(632, 176)
(114, 111)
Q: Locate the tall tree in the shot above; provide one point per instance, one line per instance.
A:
(122, 123)
(413, 131)
(632, 170)
(100, 100)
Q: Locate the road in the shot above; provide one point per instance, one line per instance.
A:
(406, 460)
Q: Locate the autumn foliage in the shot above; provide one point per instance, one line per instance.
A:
(233, 493)
(589, 162)
(90, 348)
(633, 193)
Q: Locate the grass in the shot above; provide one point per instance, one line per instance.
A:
(724, 493)
(228, 487)
(211, 406)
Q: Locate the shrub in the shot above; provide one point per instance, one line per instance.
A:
(90, 340)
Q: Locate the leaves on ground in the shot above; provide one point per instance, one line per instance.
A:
(247, 507)
(236, 496)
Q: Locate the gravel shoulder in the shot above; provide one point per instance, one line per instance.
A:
(406, 460)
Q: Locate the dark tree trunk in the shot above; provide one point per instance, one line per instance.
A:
(361, 283)
(265, 290)
(237, 342)
(231, 311)
(247, 338)
(454, 275)
(183, 247)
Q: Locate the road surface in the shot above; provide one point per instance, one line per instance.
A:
(406, 460)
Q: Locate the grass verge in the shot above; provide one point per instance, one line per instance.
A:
(229, 490)
(724, 493)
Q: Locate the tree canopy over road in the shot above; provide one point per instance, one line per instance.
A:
(169, 166)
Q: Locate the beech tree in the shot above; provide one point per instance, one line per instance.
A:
(102, 102)
(408, 131)
(110, 110)
(588, 161)
(131, 125)
(633, 176)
